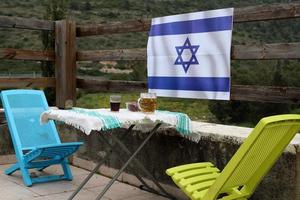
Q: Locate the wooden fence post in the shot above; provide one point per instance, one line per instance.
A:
(65, 63)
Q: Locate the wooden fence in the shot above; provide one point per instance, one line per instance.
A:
(65, 55)
(64, 58)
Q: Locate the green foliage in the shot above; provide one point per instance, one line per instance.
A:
(74, 5)
(119, 77)
(121, 64)
(125, 4)
(139, 71)
(87, 5)
(91, 72)
(242, 111)
(239, 112)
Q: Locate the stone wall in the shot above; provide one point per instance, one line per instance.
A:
(6, 146)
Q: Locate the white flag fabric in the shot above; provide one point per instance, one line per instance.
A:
(189, 55)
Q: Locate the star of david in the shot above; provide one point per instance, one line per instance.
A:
(192, 61)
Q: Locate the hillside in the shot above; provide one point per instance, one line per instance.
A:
(96, 11)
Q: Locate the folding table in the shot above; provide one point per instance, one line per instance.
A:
(95, 120)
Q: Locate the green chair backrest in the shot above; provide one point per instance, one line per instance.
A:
(256, 155)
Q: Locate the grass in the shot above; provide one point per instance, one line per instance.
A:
(196, 109)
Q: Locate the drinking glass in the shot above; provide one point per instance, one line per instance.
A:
(115, 101)
(147, 102)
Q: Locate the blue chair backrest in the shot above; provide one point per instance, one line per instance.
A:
(23, 109)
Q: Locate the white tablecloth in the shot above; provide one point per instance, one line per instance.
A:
(86, 122)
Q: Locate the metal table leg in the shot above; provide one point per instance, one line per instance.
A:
(141, 166)
(122, 159)
(97, 167)
(127, 162)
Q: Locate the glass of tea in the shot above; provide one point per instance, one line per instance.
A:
(147, 102)
(115, 101)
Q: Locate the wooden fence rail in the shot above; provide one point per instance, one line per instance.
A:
(20, 54)
(238, 52)
(26, 82)
(238, 92)
(112, 55)
(106, 85)
(246, 14)
(266, 51)
(270, 94)
(23, 23)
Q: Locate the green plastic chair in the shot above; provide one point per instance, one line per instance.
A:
(246, 169)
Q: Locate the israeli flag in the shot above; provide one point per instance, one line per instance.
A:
(189, 55)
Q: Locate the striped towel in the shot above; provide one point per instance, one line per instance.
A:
(183, 124)
(109, 121)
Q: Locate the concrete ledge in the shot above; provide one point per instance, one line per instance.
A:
(232, 134)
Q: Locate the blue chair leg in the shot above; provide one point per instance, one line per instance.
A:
(66, 169)
(12, 169)
(26, 176)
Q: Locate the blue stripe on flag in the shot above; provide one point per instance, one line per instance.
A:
(192, 26)
(216, 84)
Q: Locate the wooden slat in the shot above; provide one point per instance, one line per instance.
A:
(267, 12)
(26, 82)
(23, 23)
(239, 52)
(266, 51)
(266, 94)
(116, 86)
(139, 25)
(21, 54)
(246, 14)
(65, 63)
(238, 92)
(110, 55)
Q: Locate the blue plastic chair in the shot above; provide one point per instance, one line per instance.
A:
(36, 145)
